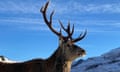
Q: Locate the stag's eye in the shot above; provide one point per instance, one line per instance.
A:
(68, 45)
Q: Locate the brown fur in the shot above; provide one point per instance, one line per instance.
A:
(55, 63)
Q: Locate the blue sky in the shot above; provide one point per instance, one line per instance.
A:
(23, 34)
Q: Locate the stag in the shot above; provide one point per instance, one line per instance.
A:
(60, 60)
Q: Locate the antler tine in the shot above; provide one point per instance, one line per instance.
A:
(44, 8)
(60, 32)
(72, 30)
(49, 23)
(51, 15)
(80, 37)
(69, 31)
(68, 27)
(62, 25)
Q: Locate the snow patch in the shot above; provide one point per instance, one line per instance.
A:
(6, 60)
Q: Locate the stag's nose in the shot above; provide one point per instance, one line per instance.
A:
(83, 51)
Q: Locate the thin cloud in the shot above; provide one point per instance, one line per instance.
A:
(74, 7)
(24, 23)
(30, 24)
(77, 7)
(38, 24)
(17, 20)
(19, 7)
(99, 25)
(71, 7)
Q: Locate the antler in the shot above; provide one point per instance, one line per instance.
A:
(49, 23)
(67, 30)
(70, 33)
(81, 36)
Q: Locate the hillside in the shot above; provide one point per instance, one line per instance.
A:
(108, 62)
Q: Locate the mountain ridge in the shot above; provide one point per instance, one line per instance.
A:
(107, 62)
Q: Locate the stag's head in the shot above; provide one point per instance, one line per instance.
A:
(67, 46)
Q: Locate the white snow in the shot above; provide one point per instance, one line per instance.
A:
(6, 60)
(108, 62)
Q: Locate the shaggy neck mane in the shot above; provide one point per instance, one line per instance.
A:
(59, 62)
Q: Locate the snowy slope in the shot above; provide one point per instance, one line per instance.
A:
(108, 62)
(6, 60)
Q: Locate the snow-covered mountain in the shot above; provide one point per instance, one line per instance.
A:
(108, 62)
(6, 60)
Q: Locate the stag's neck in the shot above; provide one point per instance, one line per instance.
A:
(58, 62)
(67, 66)
(61, 66)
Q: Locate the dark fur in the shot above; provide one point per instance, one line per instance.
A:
(53, 64)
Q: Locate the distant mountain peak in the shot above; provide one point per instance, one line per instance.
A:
(113, 54)
(6, 60)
